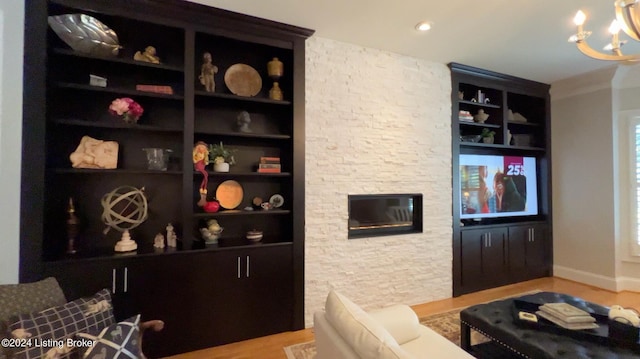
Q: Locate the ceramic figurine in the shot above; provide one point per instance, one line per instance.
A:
(158, 241)
(275, 93)
(171, 237)
(207, 72)
(243, 120)
(200, 162)
(149, 55)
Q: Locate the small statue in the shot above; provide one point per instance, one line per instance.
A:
(200, 162)
(158, 241)
(207, 72)
(243, 120)
(149, 55)
(172, 238)
(212, 232)
(94, 153)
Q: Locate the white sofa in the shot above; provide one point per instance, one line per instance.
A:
(345, 331)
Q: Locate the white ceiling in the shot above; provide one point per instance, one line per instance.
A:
(524, 38)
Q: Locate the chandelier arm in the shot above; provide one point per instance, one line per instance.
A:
(627, 16)
(589, 51)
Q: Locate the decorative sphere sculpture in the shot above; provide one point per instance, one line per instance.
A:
(124, 208)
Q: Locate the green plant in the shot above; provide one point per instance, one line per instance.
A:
(487, 133)
(220, 154)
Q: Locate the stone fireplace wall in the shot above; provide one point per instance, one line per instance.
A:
(376, 122)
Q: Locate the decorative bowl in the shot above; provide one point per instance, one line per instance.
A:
(254, 236)
(85, 34)
(470, 138)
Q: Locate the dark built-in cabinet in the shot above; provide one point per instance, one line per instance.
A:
(206, 294)
(490, 251)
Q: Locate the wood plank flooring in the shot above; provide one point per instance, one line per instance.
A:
(271, 347)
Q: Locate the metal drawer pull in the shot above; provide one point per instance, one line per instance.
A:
(113, 281)
(238, 267)
(247, 266)
(126, 278)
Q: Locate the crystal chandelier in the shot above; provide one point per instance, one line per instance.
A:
(627, 19)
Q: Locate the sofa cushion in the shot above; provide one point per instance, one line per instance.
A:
(400, 321)
(24, 298)
(119, 340)
(366, 336)
(57, 324)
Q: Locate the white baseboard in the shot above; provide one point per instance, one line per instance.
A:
(615, 284)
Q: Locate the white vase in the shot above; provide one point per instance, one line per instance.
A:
(221, 167)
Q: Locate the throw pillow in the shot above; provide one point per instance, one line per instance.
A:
(23, 298)
(50, 330)
(366, 336)
(119, 340)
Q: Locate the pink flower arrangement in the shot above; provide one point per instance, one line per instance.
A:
(127, 108)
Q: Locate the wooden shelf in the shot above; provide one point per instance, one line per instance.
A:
(115, 124)
(487, 105)
(245, 135)
(117, 90)
(71, 53)
(476, 124)
(239, 212)
(113, 171)
(232, 97)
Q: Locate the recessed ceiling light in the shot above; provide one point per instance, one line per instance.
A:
(423, 26)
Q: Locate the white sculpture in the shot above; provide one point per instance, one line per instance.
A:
(172, 239)
(94, 153)
(158, 241)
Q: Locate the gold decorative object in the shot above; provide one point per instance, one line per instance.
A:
(85, 34)
(94, 153)
(275, 69)
(124, 208)
(243, 80)
(275, 93)
(207, 72)
(149, 55)
(229, 194)
(627, 19)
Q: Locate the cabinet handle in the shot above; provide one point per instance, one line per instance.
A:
(489, 238)
(238, 267)
(113, 281)
(484, 239)
(533, 234)
(126, 279)
(247, 266)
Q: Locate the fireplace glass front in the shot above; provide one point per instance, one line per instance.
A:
(384, 214)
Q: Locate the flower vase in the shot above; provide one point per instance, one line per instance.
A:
(221, 167)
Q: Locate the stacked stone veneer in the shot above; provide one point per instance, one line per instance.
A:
(376, 122)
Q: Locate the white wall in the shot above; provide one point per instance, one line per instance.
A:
(376, 122)
(11, 43)
(588, 208)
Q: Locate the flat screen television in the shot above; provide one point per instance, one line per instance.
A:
(497, 186)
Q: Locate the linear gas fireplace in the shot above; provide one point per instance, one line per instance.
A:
(384, 214)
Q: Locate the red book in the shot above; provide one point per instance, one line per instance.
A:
(269, 170)
(155, 88)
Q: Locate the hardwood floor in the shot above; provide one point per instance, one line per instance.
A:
(271, 347)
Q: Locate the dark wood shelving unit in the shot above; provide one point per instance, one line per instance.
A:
(494, 251)
(196, 286)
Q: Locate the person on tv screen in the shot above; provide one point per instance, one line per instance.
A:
(507, 198)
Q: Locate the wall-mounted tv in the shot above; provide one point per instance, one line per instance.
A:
(497, 186)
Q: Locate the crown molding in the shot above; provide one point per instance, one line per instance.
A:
(583, 84)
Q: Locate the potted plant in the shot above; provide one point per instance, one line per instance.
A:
(221, 157)
(487, 135)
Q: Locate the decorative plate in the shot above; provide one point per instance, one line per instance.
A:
(229, 194)
(85, 34)
(243, 80)
(276, 201)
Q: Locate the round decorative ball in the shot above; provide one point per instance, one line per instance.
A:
(124, 208)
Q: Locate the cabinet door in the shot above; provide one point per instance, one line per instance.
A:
(536, 249)
(84, 278)
(167, 288)
(483, 258)
(251, 293)
(527, 248)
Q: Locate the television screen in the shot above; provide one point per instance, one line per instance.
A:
(497, 186)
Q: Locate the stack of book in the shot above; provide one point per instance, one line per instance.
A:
(269, 165)
(567, 316)
(167, 90)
